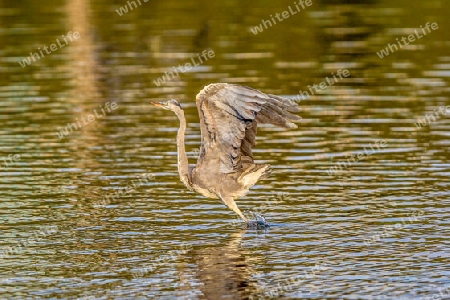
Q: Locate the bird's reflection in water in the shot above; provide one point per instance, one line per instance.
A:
(223, 270)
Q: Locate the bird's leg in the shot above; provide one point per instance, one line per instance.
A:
(259, 223)
(232, 205)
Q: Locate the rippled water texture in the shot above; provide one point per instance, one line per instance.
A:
(359, 194)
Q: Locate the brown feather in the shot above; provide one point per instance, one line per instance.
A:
(229, 115)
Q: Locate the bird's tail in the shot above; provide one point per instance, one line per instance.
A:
(253, 173)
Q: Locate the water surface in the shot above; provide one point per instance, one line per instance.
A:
(376, 228)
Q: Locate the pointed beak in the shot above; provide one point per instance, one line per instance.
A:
(158, 104)
(163, 105)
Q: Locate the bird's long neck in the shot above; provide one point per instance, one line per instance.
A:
(183, 165)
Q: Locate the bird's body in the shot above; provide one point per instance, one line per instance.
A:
(229, 115)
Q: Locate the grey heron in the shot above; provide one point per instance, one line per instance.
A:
(229, 115)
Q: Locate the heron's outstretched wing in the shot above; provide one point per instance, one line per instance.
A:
(229, 115)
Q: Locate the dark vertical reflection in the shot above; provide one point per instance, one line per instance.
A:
(224, 270)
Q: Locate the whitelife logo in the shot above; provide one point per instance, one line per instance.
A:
(430, 118)
(280, 17)
(356, 157)
(411, 38)
(124, 9)
(12, 160)
(321, 86)
(53, 48)
(90, 118)
(184, 68)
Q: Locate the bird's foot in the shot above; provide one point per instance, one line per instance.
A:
(259, 223)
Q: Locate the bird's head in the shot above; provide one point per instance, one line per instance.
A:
(171, 104)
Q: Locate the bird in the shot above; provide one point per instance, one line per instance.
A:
(229, 115)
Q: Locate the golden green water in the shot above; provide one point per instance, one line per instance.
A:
(375, 228)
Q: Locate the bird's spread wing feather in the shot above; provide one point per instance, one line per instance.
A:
(229, 115)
